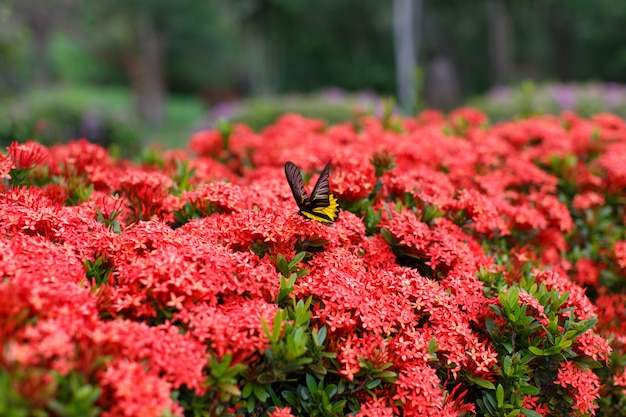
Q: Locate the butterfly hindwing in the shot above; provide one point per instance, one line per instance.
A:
(321, 206)
(328, 213)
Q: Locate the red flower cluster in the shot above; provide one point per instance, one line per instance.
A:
(161, 283)
(582, 385)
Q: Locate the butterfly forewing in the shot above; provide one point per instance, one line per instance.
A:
(321, 191)
(294, 178)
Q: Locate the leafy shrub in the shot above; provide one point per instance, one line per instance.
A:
(333, 106)
(56, 116)
(503, 103)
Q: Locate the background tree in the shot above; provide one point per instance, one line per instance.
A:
(407, 25)
(228, 48)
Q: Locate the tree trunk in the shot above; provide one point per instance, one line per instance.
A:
(260, 70)
(144, 66)
(562, 41)
(404, 40)
(41, 25)
(500, 42)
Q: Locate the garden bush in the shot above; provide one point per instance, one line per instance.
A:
(332, 105)
(586, 99)
(59, 115)
(473, 270)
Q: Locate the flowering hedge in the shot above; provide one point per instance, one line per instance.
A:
(586, 99)
(474, 270)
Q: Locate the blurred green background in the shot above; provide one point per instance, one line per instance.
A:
(138, 72)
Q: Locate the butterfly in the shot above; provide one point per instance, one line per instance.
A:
(322, 206)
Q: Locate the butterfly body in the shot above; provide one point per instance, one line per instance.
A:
(321, 206)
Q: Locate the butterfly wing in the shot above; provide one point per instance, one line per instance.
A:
(324, 207)
(321, 191)
(325, 214)
(294, 178)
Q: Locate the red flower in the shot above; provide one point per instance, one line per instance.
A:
(373, 407)
(130, 389)
(470, 116)
(207, 143)
(619, 252)
(581, 384)
(281, 412)
(620, 381)
(587, 272)
(6, 165)
(27, 155)
(352, 177)
(234, 327)
(534, 404)
(77, 157)
(613, 161)
(583, 308)
(418, 391)
(593, 345)
(588, 199)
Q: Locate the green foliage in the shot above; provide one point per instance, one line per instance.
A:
(20, 177)
(595, 228)
(529, 98)
(67, 396)
(59, 115)
(99, 270)
(296, 370)
(290, 272)
(221, 386)
(110, 220)
(75, 397)
(531, 345)
(12, 403)
(190, 211)
(261, 112)
(182, 176)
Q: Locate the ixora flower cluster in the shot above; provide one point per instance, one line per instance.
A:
(473, 270)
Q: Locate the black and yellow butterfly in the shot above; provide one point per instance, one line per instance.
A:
(322, 206)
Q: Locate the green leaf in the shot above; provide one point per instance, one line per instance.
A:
(500, 395)
(232, 389)
(296, 259)
(338, 408)
(320, 336)
(507, 366)
(373, 384)
(310, 383)
(260, 392)
(388, 236)
(528, 389)
(564, 344)
(386, 374)
(553, 350)
(481, 382)
(282, 265)
(529, 413)
(247, 390)
(318, 369)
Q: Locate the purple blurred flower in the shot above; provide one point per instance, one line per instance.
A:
(501, 93)
(333, 94)
(564, 95)
(224, 110)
